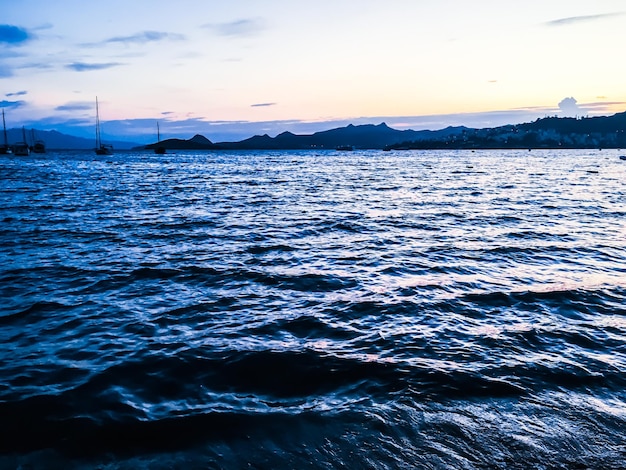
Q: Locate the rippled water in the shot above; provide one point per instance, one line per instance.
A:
(313, 310)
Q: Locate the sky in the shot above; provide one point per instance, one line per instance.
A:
(230, 70)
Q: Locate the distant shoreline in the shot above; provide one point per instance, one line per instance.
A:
(602, 132)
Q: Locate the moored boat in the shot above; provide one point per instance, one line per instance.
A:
(39, 146)
(101, 149)
(21, 149)
(159, 149)
(4, 149)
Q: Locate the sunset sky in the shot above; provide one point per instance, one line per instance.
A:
(238, 68)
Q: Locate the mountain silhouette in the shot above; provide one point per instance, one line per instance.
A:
(548, 132)
(367, 136)
(197, 142)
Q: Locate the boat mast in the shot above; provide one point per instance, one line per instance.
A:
(4, 125)
(97, 125)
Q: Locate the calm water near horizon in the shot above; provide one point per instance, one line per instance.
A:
(270, 310)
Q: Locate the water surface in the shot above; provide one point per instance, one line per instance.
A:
(313, 310)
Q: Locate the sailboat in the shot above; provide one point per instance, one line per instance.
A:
(21, 149)
(101, 149)
(39, 146)
(4, 149)
(159, 149)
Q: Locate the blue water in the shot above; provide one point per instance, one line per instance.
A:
(327, 310)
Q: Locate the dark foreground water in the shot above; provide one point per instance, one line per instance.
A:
(313, 310)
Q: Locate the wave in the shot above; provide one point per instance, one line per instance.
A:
(362, 311)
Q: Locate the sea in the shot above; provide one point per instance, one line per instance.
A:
(313, 310)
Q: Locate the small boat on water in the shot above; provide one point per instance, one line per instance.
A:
(622, 157)
(345, 148)
(159, 149)
(101, 149)
(4, 149)
(21, 149)
(39, 146)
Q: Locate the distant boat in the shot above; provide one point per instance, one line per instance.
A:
(622, 157)
(159, 149)
(101, 149)
(345, 148)
(4, 149)
(21, 149)
(39, 146)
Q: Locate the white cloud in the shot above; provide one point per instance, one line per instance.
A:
(242, 27)
(569, 107)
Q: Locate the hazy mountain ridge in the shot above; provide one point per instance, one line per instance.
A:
(549, 132)
(57, 140)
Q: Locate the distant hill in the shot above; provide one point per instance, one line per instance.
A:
(197, 142)
(549, 132)
(368, 136)
(56, 140)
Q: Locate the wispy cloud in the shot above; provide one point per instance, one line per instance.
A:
(75, 106)
(12, 104)
(10, 34)
(144, 37)
(44, 26)
(583, 19)
(140, 38)
(37, 65)
(9, 53)
(604, 106)
(17, 93)
(261, 105)
(86, 67)
(242, 27)
(5, 71)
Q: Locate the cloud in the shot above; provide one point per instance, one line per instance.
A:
(243, 27)
(37, 65)
(12, 104)
(17, 93)
(86, 67)
(5, 71)
(604, 106)
(6, 53)
(261, 105)
(582, 19)
(569, 107)
(44, 26)
(10, 34)
(144, 37)
(75, 106)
